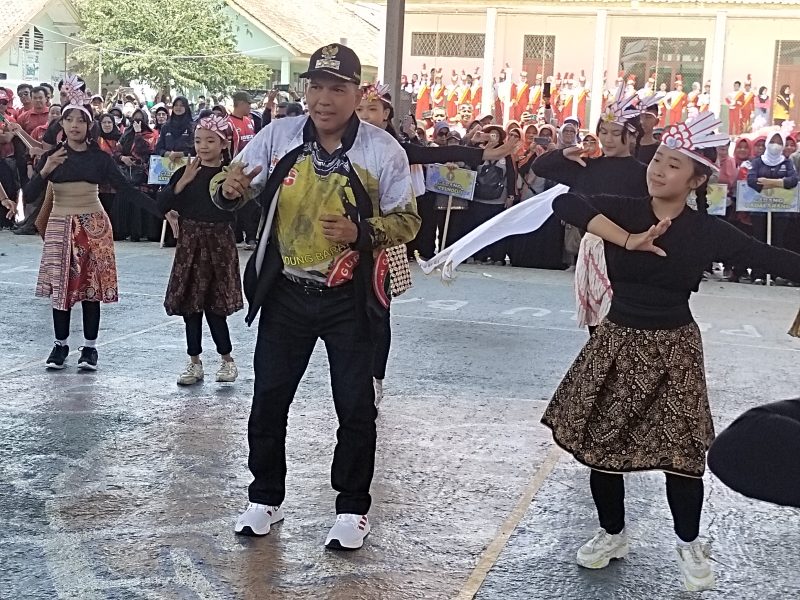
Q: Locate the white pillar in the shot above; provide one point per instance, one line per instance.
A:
(286, 70)
(718, 62)
(487, 99)
(598, 68)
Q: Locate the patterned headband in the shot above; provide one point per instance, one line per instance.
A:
(216, 124)
(694, 135)
(76, 96)
(376, 92)
(622, 109)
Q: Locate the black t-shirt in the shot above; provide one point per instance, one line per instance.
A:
(646, 153)
(650, 291)
(622, 176)
(194, 202)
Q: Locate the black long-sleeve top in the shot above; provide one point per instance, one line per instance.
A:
(650, 291)
(426, 155)
(621, 176)
(194, 202)
(91, 166)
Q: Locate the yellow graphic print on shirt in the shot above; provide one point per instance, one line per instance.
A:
(304, 197)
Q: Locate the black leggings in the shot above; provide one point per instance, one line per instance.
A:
(759, 454)
(218, 324)
(684, 494)
(91, 321)
(380, 355)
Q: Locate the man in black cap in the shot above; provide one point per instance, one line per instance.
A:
(334, 194)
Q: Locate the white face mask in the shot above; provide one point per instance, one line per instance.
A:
(117, 120)
(775, 149)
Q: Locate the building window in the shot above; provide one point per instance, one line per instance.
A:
(665, 57)
(787, 72)
(33, 39)
(538, 55)
(458, 45)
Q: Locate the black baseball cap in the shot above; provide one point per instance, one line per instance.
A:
(336, 60)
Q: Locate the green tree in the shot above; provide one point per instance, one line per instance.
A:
(185, 44)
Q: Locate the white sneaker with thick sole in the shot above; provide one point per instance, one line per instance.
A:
(695, 569)
(602, 548)
(348, 532)
(227, 372)
(258, 519)
(192, 374)
(378, 383)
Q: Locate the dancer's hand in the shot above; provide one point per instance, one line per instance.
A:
(339, 229)
(11, 207)
(574, 153)
(643, 242)
(189, 173)
(238, 180)
(56, 159)
(511, 147)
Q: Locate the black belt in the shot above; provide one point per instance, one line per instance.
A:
(315, 288)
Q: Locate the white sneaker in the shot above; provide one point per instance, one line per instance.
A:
(598, 551)
(192, 374)
(378, 391)
(348, 532)
(227, 372)
(695, 568)
(257, 519)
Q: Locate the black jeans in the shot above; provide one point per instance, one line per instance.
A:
(292, 320)
(684, 495)
(218, 324)
(247, 220)
(382, 347)
(425, 241)
(759, 454)
(91, 321)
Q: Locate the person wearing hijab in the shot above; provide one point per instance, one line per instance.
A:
(784, 103)
(107, 135)
(135, 147)
(762, 109)
(591, 144)
(177, 134)
(771, 170)
(161, 115)
(567, 136)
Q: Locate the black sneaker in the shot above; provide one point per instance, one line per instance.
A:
(88, 359)
(57, 357)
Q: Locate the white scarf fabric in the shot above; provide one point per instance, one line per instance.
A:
(525, 217)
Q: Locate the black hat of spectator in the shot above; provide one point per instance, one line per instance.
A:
(336, 60)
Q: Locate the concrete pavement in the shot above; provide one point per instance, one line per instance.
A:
(119, 484)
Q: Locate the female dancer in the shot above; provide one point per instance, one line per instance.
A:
(616, 173)
(635, 399)
(376, 109)
(205, 272)
(78, 262)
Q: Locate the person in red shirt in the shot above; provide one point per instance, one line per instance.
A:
(247, 218)
(242, 121)
(38, 114)
(6, 134)
(24, 93)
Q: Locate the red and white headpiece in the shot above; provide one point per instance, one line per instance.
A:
(77, 97)
(622, 109)
(694, 135)
(216, 124)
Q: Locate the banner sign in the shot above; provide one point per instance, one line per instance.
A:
(451, 181)
(717, 199)
(162, 169)
(768, 200)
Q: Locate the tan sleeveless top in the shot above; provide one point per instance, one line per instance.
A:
(75, 198)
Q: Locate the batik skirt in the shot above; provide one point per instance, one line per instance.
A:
(635, 400)
(205, 272)
(78, 261)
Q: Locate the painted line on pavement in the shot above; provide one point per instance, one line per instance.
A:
(493, 550)
(40, 361)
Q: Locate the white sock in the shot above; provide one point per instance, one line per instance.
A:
(89, 343)
(684, 544)
(62, 342)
